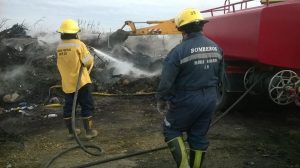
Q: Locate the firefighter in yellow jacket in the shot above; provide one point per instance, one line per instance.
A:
(71, 55)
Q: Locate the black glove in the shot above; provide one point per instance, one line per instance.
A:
(162, 106)
(297, 97)
(297, 87)
(90, 48)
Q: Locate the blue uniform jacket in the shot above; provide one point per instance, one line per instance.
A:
(195, 63)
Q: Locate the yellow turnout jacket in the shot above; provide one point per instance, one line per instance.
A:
(70, 55)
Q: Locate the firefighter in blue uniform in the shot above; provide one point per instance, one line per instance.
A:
(187, 91)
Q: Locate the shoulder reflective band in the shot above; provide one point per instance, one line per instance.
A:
(87, 58)
(200, 56)
(61, 45)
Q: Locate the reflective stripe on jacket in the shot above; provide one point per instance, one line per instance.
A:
(194, 64)
(70, 55)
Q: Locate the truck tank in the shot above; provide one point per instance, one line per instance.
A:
(259, 43)
(268, 34)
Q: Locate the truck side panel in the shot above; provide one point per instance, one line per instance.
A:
(279, 42)
(267, 34)
(237, 33)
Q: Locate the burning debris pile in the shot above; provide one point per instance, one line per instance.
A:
(125, 72)
(28, 65)
(127, 67)
(27, 70)
(29, 75)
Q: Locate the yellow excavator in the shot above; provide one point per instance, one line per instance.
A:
(239, 58)
(161, 27)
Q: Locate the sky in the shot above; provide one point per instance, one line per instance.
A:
(104, 15)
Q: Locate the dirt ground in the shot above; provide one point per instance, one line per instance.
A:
(254, 135)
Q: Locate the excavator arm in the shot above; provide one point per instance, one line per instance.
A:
(162, 27)
(168, 27)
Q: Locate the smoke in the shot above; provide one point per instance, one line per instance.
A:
(155, 46)
(26, 65)
(13, 73)
(125, 68)
(47, 38)
(32, 70)
(12, 77)
(138, 56)
(122, 67)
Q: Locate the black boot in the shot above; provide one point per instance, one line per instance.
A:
(68, 123)
(178, 150)
(88, 125)
(197, 158)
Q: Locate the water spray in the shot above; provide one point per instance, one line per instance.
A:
(129, 67)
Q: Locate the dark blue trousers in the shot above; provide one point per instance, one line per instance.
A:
(191, 112)
(84, 99)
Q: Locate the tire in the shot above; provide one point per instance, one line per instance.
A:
(225, 98)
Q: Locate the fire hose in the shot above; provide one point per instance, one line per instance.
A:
(165, 147)
(84, 147)
(136, 153)
(58, 105)
(80, 144)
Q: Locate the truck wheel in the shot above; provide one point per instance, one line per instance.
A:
(222, 98)
(225, 98)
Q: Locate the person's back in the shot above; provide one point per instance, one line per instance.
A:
(70, 52)
(187, 90)
(199, 63)
(72, 57)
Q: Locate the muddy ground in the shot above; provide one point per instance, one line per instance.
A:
(256, 134)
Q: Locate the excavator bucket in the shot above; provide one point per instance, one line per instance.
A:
(118, 37)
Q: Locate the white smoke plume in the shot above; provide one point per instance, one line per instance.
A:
(122, 67)
(155, 46)
(12, 75)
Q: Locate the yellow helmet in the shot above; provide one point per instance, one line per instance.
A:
(69, 26)
(188, 15)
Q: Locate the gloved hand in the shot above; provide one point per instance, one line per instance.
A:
(294, 90)
(297, 97)
(90, 48)
(90, 68)
(297, 87)
(162, 106)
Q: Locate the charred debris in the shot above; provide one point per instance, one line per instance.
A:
(28, 73)
(28, 64)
